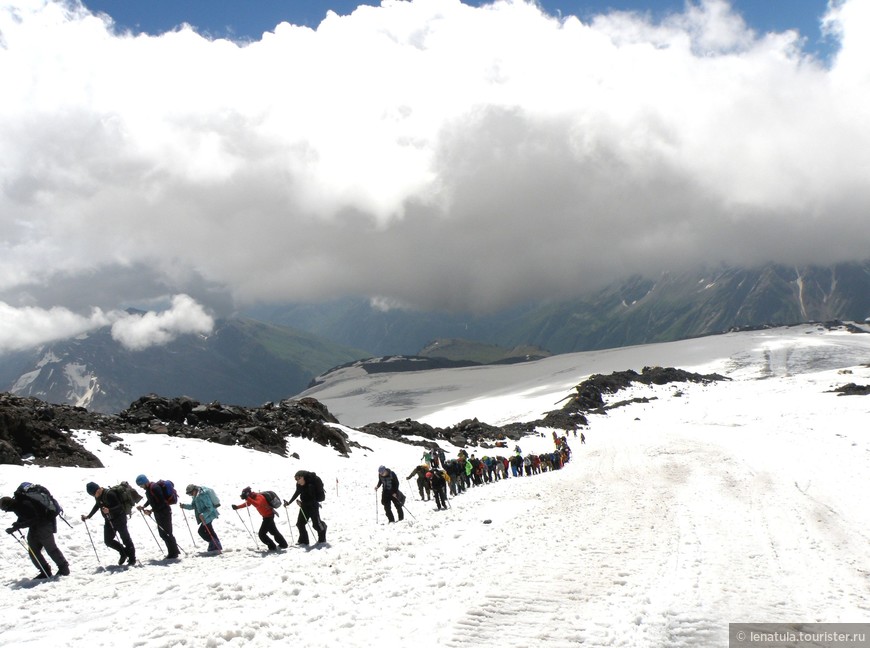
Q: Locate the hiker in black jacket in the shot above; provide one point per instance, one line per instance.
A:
(422, 482)
(109, 504)
(309, 508)
(155, 497)
(439, 487)
(391, 494)
(41, 528)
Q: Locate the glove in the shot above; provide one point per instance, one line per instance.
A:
(234, 507)
(286, 503)
(10, 530)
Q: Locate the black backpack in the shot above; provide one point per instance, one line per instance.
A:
(39, 496)
(317, 486)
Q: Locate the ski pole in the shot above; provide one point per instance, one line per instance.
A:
(246, 527)
(150, 529)
(87, 528)
(192, 541)
(34, 558)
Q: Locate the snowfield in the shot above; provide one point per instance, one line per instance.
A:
(737, 501)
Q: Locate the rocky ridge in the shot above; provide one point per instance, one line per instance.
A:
(34, 431)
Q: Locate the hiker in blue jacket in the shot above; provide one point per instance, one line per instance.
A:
(202, 504)
(391, 493)
(156, 498)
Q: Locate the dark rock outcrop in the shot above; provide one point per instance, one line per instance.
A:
(32, 430)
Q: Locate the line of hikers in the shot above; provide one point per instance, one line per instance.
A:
(38, 511)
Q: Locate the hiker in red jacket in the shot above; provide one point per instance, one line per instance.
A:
(259, 502)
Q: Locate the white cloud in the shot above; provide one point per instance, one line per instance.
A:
(139, 332)
(29, 326)
(23, 328)
(428, 152)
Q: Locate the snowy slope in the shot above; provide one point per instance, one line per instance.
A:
(735, 501)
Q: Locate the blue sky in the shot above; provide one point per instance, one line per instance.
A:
(249, 19)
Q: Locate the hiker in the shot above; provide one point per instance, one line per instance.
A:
(391, 493)
(439, 487)
(204, 504)
(109, 503)
(309, 490)
(41, 525)
(264, 508)
(160, 496)
(422, 482)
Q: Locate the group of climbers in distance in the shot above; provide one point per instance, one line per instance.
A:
(38, 511)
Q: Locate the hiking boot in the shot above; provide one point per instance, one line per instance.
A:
(42, 576)
(123, 558)
(172, 556)
(131, 560)
(63, 571)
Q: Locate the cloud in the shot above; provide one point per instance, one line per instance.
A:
(426, 153)
(139, 332)
(22, 328)
(29, 326)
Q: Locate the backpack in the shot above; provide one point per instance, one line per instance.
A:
(272, 498)
(127, 495)
(170, 496)
(317, 485)
(38, 495)
(215, 501)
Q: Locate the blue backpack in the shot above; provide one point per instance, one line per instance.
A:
(170, 495)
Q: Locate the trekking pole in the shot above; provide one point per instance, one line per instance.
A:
(246, 527)
(290, 526)
(192, 541)
(160, 528)
(26, 545)
(404, 506)
(214, 542)
(376, 508)
(87, 528)
(151, 530)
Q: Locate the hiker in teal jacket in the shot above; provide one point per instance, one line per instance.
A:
(203, 504)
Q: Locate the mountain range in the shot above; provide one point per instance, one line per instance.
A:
(637, 310)
(243, 362)
(277, 351)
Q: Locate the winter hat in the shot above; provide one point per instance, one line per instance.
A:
(382, 470)
(191, 489)
(245, 492)
(92, 488)
(299, 473)
(7, 503)
(428, 475)
(141, 480)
